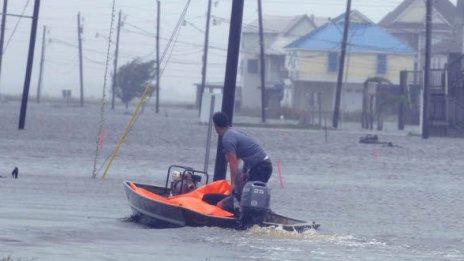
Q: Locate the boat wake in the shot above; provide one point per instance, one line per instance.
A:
(314, 235)
(130, 219)
(280, 232)
(135, 219)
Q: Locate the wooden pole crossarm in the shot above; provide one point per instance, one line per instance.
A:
(22, 16)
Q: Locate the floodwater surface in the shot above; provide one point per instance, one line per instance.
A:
(373, 202)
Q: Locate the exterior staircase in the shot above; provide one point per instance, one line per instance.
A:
(446, 103)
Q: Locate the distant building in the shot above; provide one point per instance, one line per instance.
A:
(407, 22)
(278, 31)
(313, 61)
(446, 89)
(459, 24)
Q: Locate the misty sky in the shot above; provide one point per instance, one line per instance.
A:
(138, 40)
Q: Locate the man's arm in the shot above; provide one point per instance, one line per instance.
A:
(231, 157)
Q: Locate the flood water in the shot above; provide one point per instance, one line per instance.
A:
(373, 202)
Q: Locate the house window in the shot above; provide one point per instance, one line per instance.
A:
(333, 62)
(252, 66)
(381, 63)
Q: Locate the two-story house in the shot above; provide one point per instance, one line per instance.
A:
(446, 89)
(313, 60)
(407, 22)
(278, 31)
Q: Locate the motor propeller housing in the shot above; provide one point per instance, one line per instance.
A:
(255, 203)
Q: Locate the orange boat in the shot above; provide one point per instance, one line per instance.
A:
(177, 206)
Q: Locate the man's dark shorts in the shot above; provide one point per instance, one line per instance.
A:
(260, 172)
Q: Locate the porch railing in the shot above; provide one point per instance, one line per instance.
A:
(456, 115)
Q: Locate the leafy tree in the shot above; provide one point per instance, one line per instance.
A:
(132, 78)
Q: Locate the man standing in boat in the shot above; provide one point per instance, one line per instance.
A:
(239, 146)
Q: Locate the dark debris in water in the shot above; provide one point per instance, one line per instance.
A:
(9, 240)
(374, 139)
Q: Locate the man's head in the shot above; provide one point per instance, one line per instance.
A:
(221, 122)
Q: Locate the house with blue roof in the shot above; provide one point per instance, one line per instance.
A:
(312, 62)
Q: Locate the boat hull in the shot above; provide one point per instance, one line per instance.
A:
(158, 214)
(153, 213)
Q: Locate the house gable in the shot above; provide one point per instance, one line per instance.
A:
(356, 17)
(413, 12)
(299, 27)
(275, 24)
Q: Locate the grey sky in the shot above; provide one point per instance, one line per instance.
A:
(137, 39)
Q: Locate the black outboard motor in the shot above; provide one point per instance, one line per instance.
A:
(254, 204)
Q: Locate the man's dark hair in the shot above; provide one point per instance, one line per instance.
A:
(220, 119)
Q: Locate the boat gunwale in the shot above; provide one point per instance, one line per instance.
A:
(126, 184)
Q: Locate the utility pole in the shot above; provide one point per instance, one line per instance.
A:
(205, 56)
(460, 6)
(341, 65)
(263, 67)
(428, 38)
(30, 62)
(80, 29)
(42, 59)
(230, 80)
(116, 54)
(157, 87)
(2, 33)
(460, 24)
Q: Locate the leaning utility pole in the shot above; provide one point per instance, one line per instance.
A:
(2, 33)
(157, 87)
(341, 65)
(230, 80)
(42, 59)
(205, 56)
(116, 54)
(428, 37)
(262, 61)
(80, 29)
(30, 62)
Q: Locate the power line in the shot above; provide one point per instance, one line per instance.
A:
(16, 25)
(303, 58)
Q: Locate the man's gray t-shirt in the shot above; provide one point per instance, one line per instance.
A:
(244, 147)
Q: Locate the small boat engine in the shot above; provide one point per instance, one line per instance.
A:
(254, 204)
(183, 182)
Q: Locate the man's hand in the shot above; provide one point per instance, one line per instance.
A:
(231, 190)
